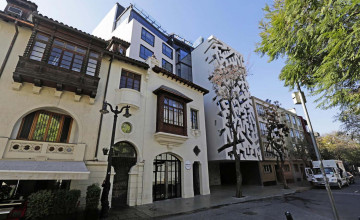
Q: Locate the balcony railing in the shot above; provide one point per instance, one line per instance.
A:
(23, 149)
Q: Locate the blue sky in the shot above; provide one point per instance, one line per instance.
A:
(233, 21)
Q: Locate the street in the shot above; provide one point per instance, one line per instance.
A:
(308, 205)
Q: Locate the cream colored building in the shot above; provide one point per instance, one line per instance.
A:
(294, 168)
(53, 81)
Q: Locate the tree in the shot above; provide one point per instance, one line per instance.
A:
(225, 81)
(350, 123)
(339, 146)
(276, 131)
(301, 151)
(320, 39)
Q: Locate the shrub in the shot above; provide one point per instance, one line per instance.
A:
(92, 196)
(39, 204)
(64, 201)
(59, 198)
(71, 200)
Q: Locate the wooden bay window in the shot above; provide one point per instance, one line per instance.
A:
(171, 111)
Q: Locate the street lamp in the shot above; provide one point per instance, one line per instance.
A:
(299, 98)
(106, 184)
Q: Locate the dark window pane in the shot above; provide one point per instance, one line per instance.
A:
(148, 37)
(65, 130)
(130, 80)
(145, 53)
(26, 126)
(166, 65)
(167, 51)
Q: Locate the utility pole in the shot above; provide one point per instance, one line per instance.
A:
(331, 197)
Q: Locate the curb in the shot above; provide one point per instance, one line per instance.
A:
(233, 203)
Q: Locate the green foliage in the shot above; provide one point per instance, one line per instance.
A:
(340, 146)
(93, 196)
(65, 201)
(350, 123)
(5, 192)
(39, 204)
(44, 203)
(320, 40)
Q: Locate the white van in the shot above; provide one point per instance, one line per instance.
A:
(335, 173)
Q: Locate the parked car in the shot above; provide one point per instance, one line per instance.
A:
(350, 178)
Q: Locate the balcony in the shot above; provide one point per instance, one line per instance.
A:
(130, 97)
(23, 149)
(43, 74)
(169, 139)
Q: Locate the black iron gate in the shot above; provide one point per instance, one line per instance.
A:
(166, 177)
(124, 158)
(196, 178)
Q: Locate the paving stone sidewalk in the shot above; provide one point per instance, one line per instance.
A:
(220, 196)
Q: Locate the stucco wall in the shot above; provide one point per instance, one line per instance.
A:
(143, 121)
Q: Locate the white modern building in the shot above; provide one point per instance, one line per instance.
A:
(147, 38)
(208, 55)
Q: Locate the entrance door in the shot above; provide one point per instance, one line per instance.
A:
(196, 178)
(124, 157)
(166, 177)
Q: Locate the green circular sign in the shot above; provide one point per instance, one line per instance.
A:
(126, 127)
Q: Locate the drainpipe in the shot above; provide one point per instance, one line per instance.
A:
(10, 49)
(101, 115)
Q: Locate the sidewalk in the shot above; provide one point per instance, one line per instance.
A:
(220, 196)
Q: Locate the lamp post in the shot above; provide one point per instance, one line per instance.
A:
(299, 98)
(106, 184)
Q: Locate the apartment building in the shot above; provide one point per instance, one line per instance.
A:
(54, 80)
(294, 165)
(147, 38)
(208, 55)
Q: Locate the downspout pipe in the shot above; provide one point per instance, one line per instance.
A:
(101, 115)
(10, 49)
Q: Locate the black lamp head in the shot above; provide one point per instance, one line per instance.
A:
(127, 114)
(105, 151)
(104, 109)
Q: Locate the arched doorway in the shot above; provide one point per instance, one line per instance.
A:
(166, 177)
(124, 157)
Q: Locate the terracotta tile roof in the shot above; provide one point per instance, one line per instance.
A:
(43, 17)
(173, 92)
(158, 69)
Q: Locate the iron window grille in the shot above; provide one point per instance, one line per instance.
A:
(173, 112)
(267, 169)
(194, 119)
